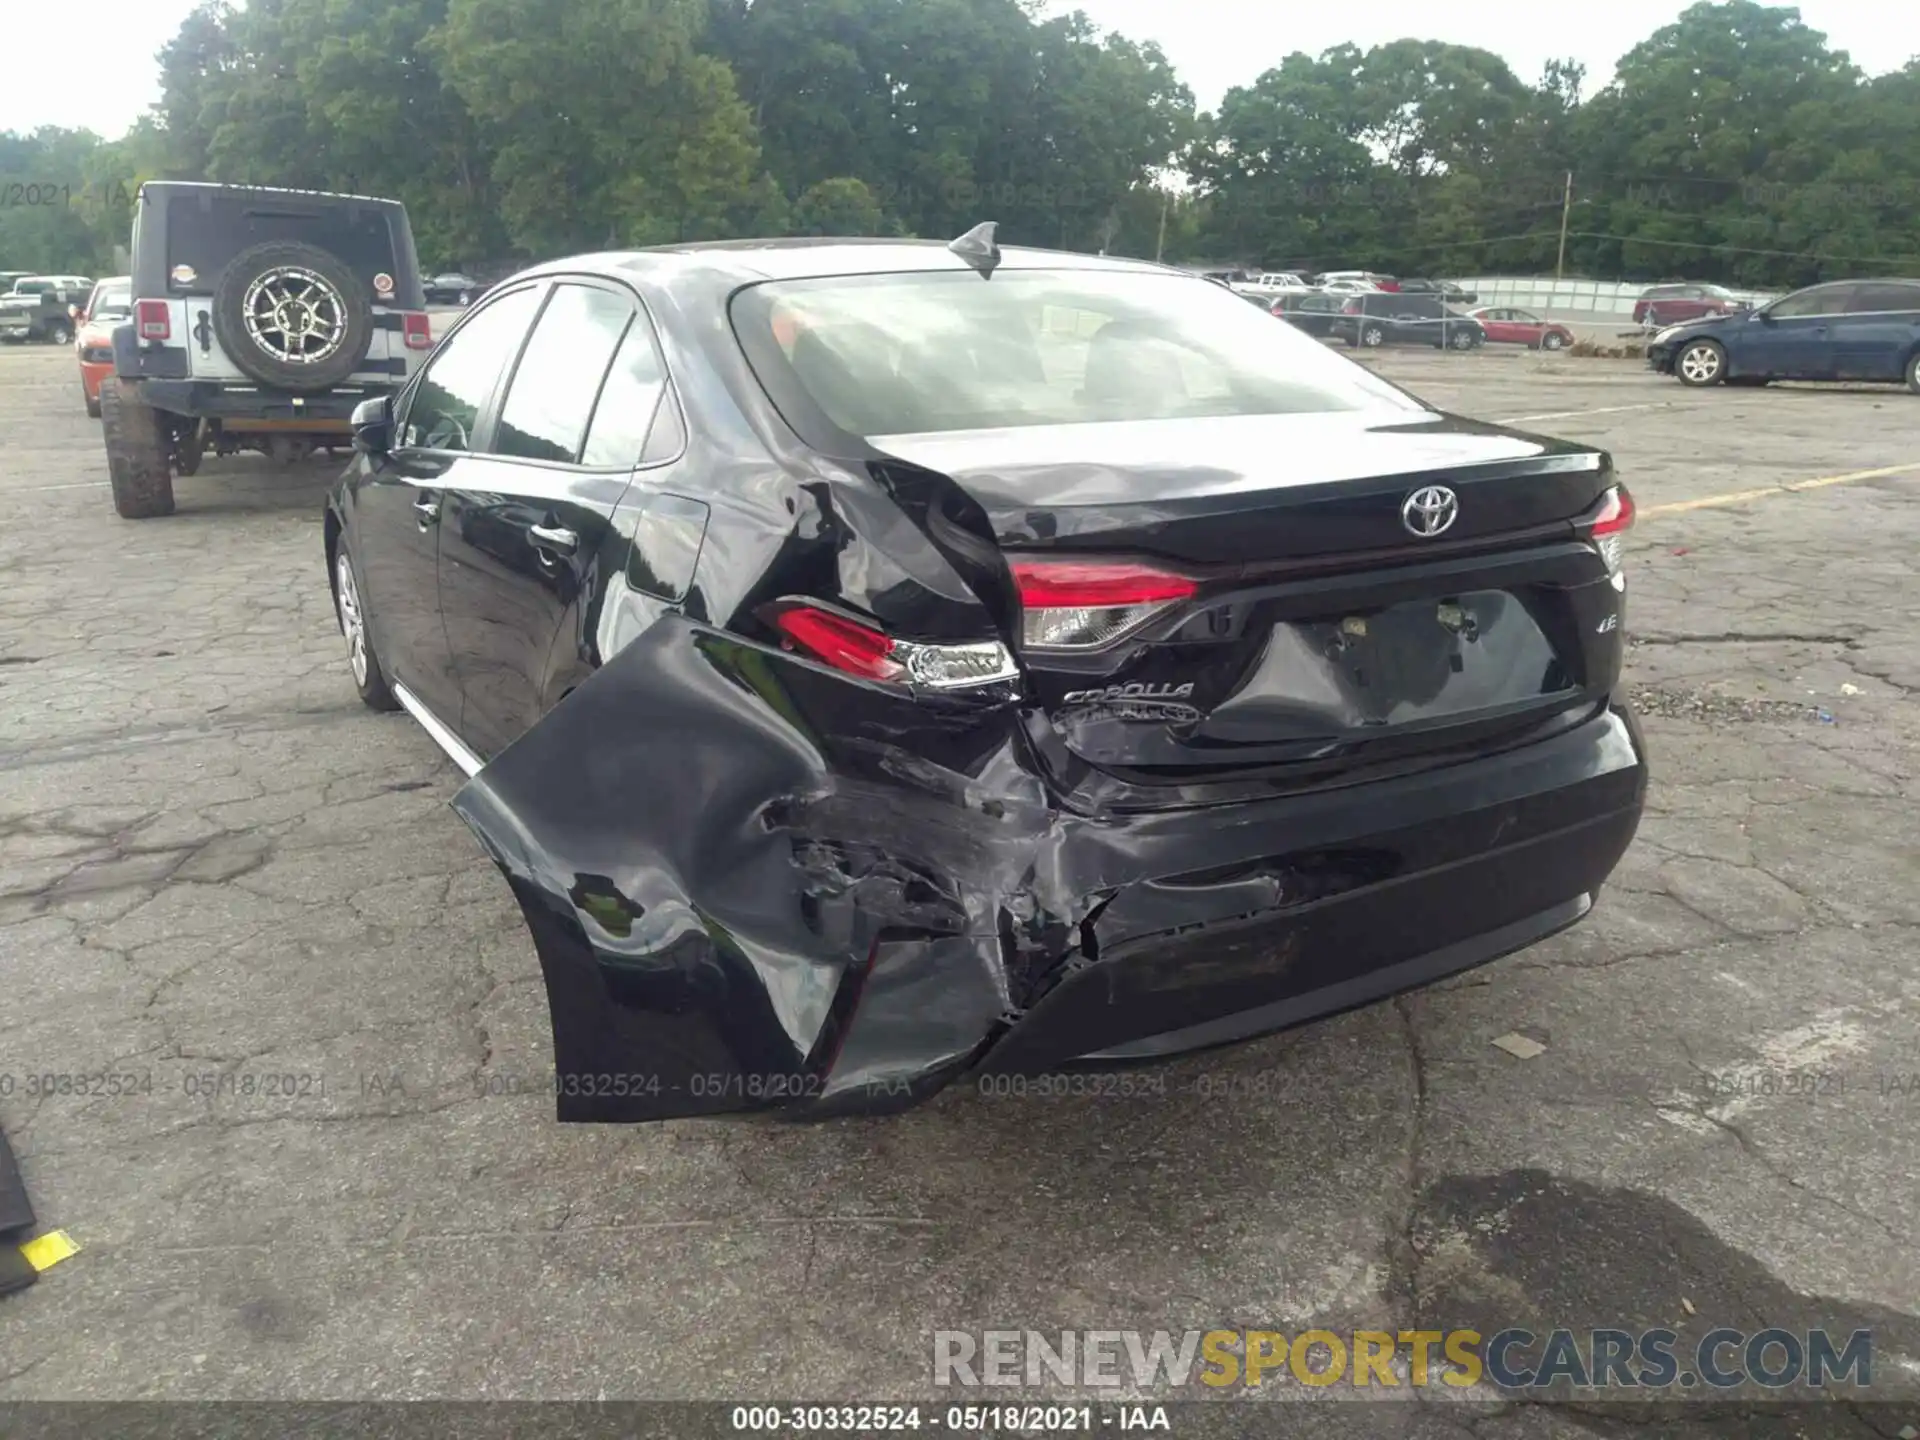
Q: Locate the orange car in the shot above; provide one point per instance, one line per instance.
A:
(110, 304)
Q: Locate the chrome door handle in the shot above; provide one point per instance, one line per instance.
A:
(552, 537)
(427, 508)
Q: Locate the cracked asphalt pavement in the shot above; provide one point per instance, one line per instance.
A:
(220, 873)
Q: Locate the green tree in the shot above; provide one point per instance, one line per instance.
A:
(607, 126)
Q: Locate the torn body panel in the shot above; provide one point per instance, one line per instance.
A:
(757, 884)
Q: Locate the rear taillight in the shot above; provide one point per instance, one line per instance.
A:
(1085, 604)
(1609, 530)
(857, 648)
(152, 321)
(417, 330)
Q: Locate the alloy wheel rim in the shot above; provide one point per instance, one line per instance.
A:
(1372, 337)
(295, 315)
(1702, 362)
(348, 596)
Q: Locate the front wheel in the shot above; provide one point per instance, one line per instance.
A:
(1461, 340)
(350, 611)
(1700, 362)
(1913, 374)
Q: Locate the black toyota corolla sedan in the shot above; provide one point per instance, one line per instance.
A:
(878, 663)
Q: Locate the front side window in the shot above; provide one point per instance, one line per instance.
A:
(921, 352)
(459, 380)
(1820, 300)
(559, 375)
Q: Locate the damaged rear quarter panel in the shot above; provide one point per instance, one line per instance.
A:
(722, 850)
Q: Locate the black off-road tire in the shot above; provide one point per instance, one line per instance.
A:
(136, 453)
(230, 325)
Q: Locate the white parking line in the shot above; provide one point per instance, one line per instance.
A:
(6, 490)
(1570, 414)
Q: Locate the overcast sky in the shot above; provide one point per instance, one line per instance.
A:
(109, 77)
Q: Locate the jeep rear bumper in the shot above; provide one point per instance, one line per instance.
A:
(218, 400)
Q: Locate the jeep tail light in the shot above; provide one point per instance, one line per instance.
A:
(857, 648)
(417, 330)
(1079, 605)
(152, 320)
(1610, 526)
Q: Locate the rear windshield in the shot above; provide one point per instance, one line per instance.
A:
(924, 352)
(207, 233)
(112, 300)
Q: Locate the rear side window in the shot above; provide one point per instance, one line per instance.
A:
(206, 232)
(459, 380)
(1874, 298)
(559, 375)
(627, 401)
(940, 351)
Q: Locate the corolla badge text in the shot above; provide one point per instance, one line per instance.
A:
(1135, 691)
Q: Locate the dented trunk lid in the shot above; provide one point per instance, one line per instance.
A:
(1322, 631)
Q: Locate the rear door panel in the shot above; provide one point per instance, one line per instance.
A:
(529, 547)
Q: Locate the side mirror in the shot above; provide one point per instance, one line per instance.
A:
(373, 425)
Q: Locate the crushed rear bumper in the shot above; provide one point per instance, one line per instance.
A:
(755, 885)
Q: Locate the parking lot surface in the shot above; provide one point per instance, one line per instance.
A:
(218, 871)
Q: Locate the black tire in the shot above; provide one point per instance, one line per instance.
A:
(59, 333)
(92, 402)
(1462, 340)
(1709, 365)
(1913, 373)
(1373, 336)
(339, 311)
(136, 454)
(1553, 340)
(349, 613)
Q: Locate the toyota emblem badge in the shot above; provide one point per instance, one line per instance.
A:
(1429, 511)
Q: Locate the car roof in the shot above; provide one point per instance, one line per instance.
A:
(745, 262)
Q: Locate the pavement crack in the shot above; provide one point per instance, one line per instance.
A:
(1406, 1258)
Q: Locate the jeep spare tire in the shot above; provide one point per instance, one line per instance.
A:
(292, 316)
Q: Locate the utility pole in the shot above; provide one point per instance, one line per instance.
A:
(1160, 244)
(1566, 209)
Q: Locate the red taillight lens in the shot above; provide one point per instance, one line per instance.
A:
(152, 320)
(842, 643)
(1085, 604)
(860, 649)
(1610, 527)
(417, 330)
